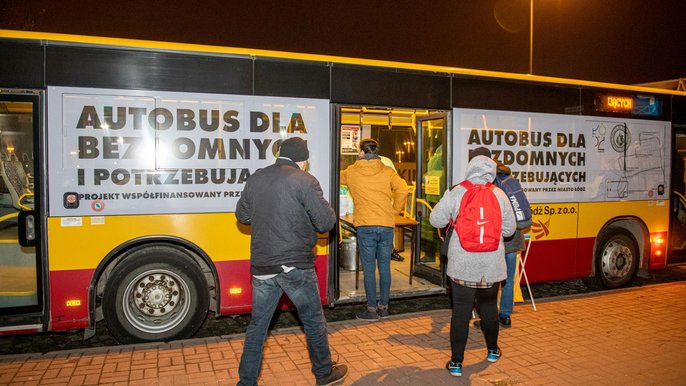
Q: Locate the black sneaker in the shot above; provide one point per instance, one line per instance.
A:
(368, 314)
(494, 355)
(396, 256)
(428, 259)
(382, 311)
(337, 375)
(505, 322)
(455, 368)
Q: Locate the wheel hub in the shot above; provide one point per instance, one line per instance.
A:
(156, 295)
(616, 260)
(156, 301)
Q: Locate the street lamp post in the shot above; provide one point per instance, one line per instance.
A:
(531, 37)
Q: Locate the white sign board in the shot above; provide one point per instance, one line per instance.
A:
(561, 158)
(133, 152)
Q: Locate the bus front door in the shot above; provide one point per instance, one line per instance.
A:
(431, 171)
(21, 276)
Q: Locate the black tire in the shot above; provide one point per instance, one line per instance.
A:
(157, 293)
(616, 260)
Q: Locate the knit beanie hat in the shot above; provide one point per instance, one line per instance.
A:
(294, 148)
(481, 150)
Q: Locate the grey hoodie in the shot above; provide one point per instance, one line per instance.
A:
(473, 266)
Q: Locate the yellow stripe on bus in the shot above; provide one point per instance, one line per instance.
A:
(219, 235)
(654, 213)
(571, 220)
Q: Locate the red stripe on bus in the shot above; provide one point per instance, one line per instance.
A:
(30, 330)
(563, 259)
(236, 287)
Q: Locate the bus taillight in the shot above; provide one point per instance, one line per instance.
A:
(658, 249)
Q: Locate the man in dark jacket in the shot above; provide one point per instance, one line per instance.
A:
(285, 207)
(513, 244)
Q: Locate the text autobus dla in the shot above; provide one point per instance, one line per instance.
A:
(161, 118)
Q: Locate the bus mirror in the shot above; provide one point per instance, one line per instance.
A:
(27, 228)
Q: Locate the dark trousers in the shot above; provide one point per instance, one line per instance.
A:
(463, 302)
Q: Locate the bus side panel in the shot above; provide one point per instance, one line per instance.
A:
(553, 242)
(235, 283)
(236, 290)
(654, 214)
(69, 299)
(216, 235)
(559, 252)
(584, 260)
(550, 260)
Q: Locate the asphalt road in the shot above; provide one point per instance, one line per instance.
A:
(49, 342)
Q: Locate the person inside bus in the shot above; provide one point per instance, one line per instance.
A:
(379, 194)
(285, 207)
(430, 240)
(474, 276)
(347, 200)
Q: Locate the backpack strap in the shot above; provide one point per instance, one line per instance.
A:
(467, 184)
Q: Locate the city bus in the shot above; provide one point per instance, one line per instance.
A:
(121, 162)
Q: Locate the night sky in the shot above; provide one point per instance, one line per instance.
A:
(618, 41)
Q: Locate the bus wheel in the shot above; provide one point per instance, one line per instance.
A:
(616, 260)
(155, 294)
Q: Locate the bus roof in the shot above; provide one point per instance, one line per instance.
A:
(47, 37)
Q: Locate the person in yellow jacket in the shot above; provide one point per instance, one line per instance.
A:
(379, 194)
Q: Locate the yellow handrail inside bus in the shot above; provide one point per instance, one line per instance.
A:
(425, 203)
(22, 198)
(9, 216)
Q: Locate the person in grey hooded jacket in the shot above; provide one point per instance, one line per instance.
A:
(475, 276)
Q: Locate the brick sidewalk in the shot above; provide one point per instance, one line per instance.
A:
(634, 336)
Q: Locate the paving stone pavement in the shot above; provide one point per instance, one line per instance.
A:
(634, 336)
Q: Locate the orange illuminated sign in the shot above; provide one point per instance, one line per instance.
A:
(620, 103)
(73, 303)
(235, 291)
(615, 103)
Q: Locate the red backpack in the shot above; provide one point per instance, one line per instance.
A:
(479, 222)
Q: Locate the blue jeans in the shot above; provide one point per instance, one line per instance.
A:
(375, 245)
(507, 294)
(301, 287)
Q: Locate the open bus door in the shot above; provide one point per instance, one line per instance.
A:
(677, 228)
(432, 168)
(21, 268)
(399, 132)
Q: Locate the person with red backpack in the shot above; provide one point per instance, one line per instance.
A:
(482, 215)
